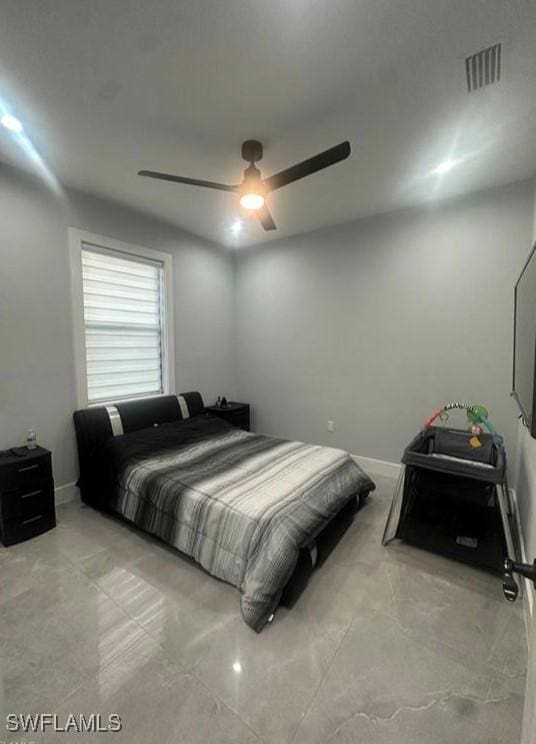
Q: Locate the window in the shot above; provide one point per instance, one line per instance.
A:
(122, 297)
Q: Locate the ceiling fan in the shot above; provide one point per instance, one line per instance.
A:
(253, 189)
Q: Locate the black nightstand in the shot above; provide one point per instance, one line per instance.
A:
(26, 495)
(236, 414)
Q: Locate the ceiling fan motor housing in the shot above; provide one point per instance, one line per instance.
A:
(252, 182)
(252, 151)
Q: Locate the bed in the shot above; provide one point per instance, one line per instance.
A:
(252, 510)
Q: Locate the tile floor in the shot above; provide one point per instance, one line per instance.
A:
(386, 645)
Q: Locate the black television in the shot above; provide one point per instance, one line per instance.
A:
(524, 372)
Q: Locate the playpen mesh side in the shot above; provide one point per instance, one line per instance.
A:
(453, 515)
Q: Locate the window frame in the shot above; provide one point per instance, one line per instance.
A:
(77, 238)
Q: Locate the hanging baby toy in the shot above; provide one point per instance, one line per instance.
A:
(477, 416)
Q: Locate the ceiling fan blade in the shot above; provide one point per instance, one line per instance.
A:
(306, 167)
(265, 218)
(189, 181)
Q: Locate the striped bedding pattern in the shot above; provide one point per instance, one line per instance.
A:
(242, 505)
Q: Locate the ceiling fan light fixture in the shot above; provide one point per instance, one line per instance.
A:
(253, 189)
(252, 200)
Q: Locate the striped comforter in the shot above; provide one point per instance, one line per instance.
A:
(241, 504)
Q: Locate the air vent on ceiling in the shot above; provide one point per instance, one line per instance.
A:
(483, 68)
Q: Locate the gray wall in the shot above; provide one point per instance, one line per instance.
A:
(37, 373)
(375, 323)
(525, 476)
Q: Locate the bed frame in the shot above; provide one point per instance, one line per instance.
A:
(95, 425)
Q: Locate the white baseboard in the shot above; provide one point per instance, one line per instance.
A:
(66, 493)
(529, 587)
(378, 467)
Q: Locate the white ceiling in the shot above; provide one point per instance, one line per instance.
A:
(107, 87)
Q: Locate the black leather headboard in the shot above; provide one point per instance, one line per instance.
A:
(95, 425)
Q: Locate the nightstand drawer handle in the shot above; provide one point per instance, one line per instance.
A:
(33, 519)
(29, 467)
(32, 493)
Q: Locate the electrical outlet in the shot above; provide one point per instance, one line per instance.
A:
(331, 425)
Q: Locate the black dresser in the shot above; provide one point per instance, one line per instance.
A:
(236, 414)
(26, 495)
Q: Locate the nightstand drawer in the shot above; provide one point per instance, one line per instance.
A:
(27, 502)
(17, 530)
(240, 419)
(27, 473)
(236, 414)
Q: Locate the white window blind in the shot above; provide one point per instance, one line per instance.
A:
(123, 318)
